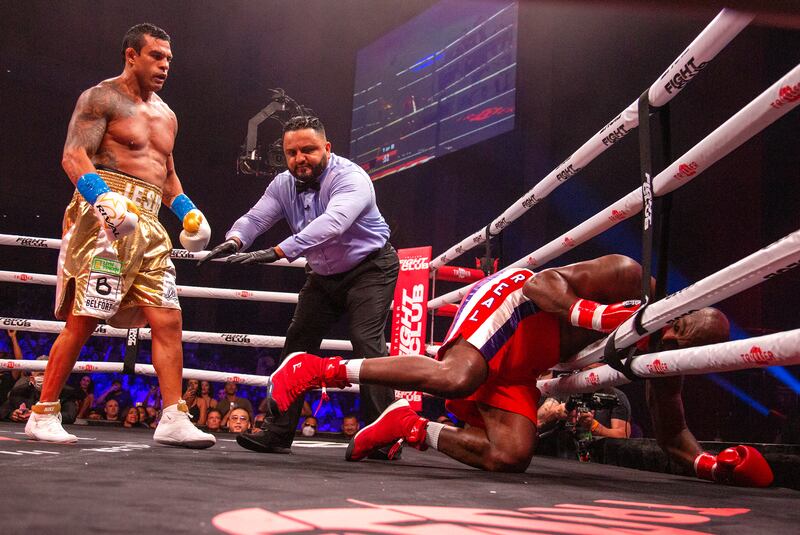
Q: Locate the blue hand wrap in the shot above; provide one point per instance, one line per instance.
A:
(91, 186)
(182, 205)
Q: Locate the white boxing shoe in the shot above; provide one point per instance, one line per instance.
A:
(176, 429)
(44, 424)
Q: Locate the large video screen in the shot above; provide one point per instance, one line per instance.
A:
(438, 83)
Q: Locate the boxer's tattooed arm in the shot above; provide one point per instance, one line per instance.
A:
(93, 111)
(87, 128)
(89, 121)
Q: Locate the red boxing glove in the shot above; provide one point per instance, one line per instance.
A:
(597, 317)
(742, 466)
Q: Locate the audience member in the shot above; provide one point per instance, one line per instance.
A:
(153, 398)
(152, 416)
(87, 387)
(309, 428)
(8, 379)
(26, 392)
(238, 420)
(131, 419)
(197, 405)
(111, 410)
(213, 420)
(117, 393)
(205, 394)
(231, 401)
(350, 426)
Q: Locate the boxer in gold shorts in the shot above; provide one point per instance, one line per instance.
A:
(114, 263)
(112, 280)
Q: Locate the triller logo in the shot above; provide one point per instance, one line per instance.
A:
(685, 170)
(758, 356)
(787, 94)
(658, 367)
(568, 242)
(23, 277)
(618, 215)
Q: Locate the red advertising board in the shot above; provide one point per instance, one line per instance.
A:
(410, 312)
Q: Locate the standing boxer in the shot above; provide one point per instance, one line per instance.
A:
(115, 262)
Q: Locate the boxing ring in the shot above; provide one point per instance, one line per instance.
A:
(554, 495)
(772, 104)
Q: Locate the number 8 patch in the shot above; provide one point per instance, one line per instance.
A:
(105, 279)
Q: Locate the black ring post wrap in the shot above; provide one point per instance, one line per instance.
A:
(131, 352)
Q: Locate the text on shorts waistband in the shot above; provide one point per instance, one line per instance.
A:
(146, 196)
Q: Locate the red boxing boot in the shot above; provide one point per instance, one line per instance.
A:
(300, 372)
(397, 423)
(742, 466)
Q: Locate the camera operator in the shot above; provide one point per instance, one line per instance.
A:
(613, 422)
(567, 427)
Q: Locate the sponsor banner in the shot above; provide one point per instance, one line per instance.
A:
(409, 315)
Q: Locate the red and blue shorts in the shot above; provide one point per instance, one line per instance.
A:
(518, 342)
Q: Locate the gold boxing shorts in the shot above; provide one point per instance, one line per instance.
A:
(112, 280)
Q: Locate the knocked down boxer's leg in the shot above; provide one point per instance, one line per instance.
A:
(505, 445)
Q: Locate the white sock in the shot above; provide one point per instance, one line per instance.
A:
(432, 438)
(353, 367)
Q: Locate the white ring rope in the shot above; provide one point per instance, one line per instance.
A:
(176, 254)
(770, 350)
(147, 369)
(765, 109)
(232, 339)
(716, 36)
(183, 291)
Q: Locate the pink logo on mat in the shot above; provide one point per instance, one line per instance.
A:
(601, 516)
(593, 379)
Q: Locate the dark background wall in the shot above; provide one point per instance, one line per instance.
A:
(579, 65)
